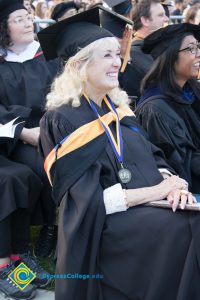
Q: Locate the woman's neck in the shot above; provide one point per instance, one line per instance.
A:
(17, 49)
(181, 82)
(95, 95)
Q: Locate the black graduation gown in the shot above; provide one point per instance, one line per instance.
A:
(19, 187)
(23, 88)
(130, 79)
(144, 253)
(140, 64)
(174, 126)
(141, 60)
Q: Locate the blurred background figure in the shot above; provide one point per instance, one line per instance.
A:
(193, 15)
(178, 8)
(64, 10)
(41, 12)
(28, 5)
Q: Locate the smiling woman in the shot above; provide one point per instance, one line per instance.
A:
(170, 106)
(102, 170)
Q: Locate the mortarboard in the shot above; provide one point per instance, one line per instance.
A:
(116, 24)
(113, 22)
(9, 6)
(65, 38)
(122, 7)
(61, 8)
(158, 41)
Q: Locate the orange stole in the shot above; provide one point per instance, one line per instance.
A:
(82, 136)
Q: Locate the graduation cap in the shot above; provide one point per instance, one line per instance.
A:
(61, 8)
(158, 41)
(122, 7)
(65, 38)
(9, 6)
(116, 24)
(113, 22)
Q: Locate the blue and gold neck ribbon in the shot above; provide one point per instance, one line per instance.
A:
(82, 136)
(117, 145)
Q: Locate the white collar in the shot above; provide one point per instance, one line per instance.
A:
(27, 54)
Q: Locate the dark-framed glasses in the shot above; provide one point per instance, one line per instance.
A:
(192, 48)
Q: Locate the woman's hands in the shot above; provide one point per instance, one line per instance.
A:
(30, 136)
(170, 184)
(174, 189)
(181, 197)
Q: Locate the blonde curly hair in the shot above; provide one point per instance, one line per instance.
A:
(69, 86)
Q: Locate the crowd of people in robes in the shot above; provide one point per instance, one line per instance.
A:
(103, 115)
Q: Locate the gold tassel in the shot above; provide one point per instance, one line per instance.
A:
(127, 54)
(198, 77)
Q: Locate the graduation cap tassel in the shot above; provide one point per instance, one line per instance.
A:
(198, 77)
(127, 53)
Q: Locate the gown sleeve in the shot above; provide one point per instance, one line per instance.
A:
(166, 133)
(7, 114)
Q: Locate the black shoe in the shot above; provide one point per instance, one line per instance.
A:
(46, 243)
(42, 276)
(10, 289)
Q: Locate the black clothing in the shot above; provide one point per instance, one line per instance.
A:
(44, 211)
(130, 80)
(7, 7)
(14, 233)
(65, 38)
(23, 88)
(174, 126)
(140, 64)
(19, 187)
(133, 250)
(158, 41)
(140, 59)
(177, 12)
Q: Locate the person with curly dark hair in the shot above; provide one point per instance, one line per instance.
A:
(25, 77)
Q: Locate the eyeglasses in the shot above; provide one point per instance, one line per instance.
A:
(21, 20)
(193, 48)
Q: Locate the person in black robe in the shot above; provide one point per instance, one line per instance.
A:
(148, 16)
(20, 189)
(110, 246)
(169, 109)
(25, 78)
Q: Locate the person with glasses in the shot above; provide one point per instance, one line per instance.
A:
(25, 77)
(169, 109)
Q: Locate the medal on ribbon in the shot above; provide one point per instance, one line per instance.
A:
(117, 145)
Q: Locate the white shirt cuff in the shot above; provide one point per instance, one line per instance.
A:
(164, 171)
(114, 199)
